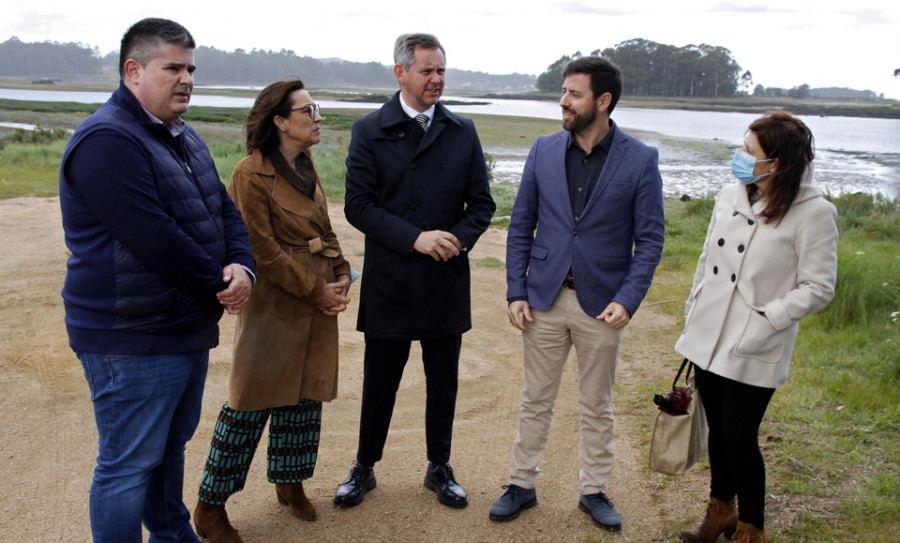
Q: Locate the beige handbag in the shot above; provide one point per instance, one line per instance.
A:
(680, 433)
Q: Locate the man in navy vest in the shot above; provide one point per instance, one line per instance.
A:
(158, 250)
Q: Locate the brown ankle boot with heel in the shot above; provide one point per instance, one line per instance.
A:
(211, 523)
(292, 495)
(720, 517)
(748, 533)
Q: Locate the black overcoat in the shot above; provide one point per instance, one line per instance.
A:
(400, 182)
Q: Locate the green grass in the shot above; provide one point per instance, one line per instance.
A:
(488, 262)
(838, 417)
(686, 224)
(331, 168)
(28, 169)
(48, 107)
(226, 156)
(230, 115)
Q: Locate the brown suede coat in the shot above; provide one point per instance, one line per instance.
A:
(284, 349)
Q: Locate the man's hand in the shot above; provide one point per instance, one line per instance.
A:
(334, 298)
(438, 244)
(235, 297)
(615, 315)
(519, 312)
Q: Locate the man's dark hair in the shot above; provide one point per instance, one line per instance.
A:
(141, 41)
(605, 76)
(405, 48)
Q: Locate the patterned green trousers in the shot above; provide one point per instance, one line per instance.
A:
(293, 446)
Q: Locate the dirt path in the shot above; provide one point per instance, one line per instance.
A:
(49, 439)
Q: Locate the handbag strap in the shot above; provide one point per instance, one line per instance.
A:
(684, 363)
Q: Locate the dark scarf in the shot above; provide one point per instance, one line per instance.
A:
(753, 194)
(302, 176)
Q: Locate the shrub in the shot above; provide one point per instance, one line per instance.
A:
(38, 136)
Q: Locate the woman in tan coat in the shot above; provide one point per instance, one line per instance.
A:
(286, 341)
(770, 259)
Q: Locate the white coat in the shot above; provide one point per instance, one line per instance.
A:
(755, 281)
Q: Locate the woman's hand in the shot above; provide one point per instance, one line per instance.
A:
(334, 298)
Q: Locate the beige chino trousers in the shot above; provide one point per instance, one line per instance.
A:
(547, 343)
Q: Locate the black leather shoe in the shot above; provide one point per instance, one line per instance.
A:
(441, 481)
(353, 490)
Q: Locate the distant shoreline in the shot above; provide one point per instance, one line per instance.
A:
(883, 109)
(866, 108)
(821, 107)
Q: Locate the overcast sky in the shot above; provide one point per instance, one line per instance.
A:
(784, 43)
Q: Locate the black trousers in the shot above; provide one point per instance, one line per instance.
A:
(734, 412)
(383, 368)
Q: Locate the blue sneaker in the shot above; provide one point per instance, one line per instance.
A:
(514, 501)
(601, 511)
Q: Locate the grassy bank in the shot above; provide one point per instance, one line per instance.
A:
(832, 433)
(32, 170)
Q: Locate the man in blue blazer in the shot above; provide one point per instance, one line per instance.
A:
(585, 237)
(417, 187)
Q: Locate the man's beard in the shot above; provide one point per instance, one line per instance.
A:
(580, 121)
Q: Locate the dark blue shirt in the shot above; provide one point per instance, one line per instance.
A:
(583, 170)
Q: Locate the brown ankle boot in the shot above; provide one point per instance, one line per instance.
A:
(720, 516)
(211, 523)
(292, 495)
(748, 533)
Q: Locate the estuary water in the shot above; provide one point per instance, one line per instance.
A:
(852, 154)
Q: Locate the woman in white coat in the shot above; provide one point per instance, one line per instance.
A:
(770, 259)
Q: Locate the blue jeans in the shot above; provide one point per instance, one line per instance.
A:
(146, 409)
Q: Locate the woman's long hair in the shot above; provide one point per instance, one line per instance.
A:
(274, 100)
(787, 138)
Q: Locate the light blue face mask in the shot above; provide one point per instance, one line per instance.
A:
(743, 164)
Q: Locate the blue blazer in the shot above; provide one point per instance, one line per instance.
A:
(614, 247)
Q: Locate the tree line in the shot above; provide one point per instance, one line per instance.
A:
(48, 59)
(52, 60)
(650, 68)
(656, 69)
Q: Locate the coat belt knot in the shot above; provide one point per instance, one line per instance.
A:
(319, 245)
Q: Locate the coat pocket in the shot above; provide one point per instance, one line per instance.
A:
(539, 252)
(760, 340)
(691, 303)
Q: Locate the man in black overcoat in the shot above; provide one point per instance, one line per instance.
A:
(417, 187)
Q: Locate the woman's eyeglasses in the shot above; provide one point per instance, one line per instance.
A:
(311, 109)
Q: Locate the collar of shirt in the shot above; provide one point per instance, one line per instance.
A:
(175, 127)
(412, 112)
(605, 143)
